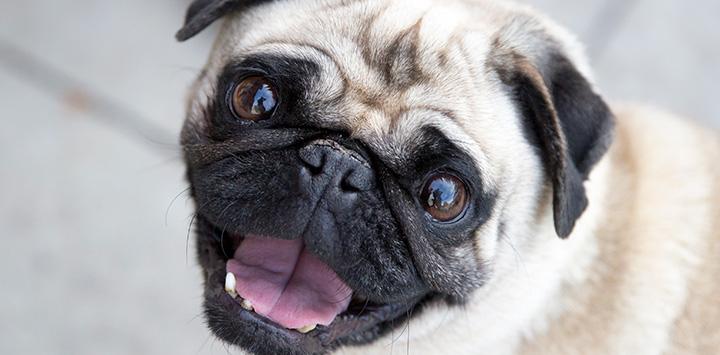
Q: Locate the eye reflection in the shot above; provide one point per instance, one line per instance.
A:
(444, 197)
(254, 99)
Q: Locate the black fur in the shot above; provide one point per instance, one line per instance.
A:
(570, 124)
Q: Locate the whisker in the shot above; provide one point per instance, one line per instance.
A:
(189, 229)
(392, 331)
(204, 344)
(194, 318)
(222, 234)
(167, 210)
(367, 301)
(407, 345)
(518, 258)
(404, 328)
(227, 345)
(237, 159)
(187, 237)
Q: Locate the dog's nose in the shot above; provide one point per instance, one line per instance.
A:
(334, 170)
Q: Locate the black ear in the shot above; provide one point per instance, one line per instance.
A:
(567, 120)
(202, 13)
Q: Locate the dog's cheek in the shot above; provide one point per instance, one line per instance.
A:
(247, 189)
(237, 332)
(375, 254)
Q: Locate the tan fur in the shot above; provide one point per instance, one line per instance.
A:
(654, 285)
(640, 274)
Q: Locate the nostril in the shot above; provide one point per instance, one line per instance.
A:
(347, 183)
(342, 167)
(357, 180)
(313, 159)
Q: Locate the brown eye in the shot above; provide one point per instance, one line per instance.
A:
(444, 197)
(254, 99)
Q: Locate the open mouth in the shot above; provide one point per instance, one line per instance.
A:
(271, 295)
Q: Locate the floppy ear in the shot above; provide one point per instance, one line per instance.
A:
(570, 123)
(202, 13)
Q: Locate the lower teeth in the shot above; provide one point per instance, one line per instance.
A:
(307, 328)
(247, 305)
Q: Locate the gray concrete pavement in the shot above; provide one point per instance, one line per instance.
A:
(91, 102)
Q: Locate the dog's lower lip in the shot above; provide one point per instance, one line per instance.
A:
(344, 325)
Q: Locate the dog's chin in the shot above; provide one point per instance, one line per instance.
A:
(356, 321)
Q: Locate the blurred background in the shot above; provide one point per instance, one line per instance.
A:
(94, 213)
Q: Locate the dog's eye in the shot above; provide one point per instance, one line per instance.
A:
(254, 99)
(444, 197)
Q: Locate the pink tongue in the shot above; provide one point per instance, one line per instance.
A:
(287, 284)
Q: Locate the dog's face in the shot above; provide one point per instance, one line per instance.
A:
(354, 162)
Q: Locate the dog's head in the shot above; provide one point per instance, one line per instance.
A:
(355, 161)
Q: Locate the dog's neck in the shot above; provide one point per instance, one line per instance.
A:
(543, 284)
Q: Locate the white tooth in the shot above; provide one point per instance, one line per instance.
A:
(247, 305)
(230, 284)
(307, 328)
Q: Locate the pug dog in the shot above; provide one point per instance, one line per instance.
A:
(440, 177)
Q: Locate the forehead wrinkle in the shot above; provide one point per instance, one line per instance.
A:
(433, 83)
(363, 89)
(390, 74)
(392, 45)
(397, 146)
(361, 58)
